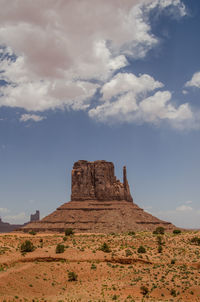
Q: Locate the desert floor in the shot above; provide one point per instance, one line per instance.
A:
(118, 275)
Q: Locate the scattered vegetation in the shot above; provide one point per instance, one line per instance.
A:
(72, 276)
(176, 231)
(60, 248)
(131, 233)
(69, 232)
(195, 240)
(159, 230)
(32, 232)
(144, 290)
(27, 247)
(141, 250)
(105, 248)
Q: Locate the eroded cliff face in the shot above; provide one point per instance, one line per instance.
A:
(97, 181)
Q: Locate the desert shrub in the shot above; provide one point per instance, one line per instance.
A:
(27, 247)
(173, 261)
(72, 276)
(128, 253)
(144, 290)
(60, 248)
(32, 232)
(176, 232)
(114, 298)
(141, 250)
(93, 266)
(69, 232)
(65, 238)
(160, 241)
(159, 230)
(131, 233)
(173, 292)
(195, 240)
(160, 249)
(105, 248)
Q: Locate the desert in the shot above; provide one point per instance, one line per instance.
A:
(108, 267)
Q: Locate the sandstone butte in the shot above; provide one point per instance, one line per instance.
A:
(100, 203)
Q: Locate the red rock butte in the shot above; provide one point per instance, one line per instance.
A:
(100, 203)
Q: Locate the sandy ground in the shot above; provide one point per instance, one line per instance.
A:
(42, 275)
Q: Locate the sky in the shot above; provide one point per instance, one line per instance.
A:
(87, 79)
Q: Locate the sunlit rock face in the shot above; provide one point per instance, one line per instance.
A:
(97, 181)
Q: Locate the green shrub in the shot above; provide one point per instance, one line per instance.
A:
(32, 232)
(173, 261)
(144, 290)
(65, 238)
(160, 249)
(173, 292)
(159, 230)
(176, 232)
(60, 248)
(131, 233)
(114, 298)
(69, 232)
(128, 253)
(105, 248)
(72, 276)
(141, 250)
(195, 240)
(93, 266)
(27, 247)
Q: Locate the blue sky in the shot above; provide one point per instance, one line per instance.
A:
(92, 80)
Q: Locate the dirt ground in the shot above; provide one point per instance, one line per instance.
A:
(171, 273)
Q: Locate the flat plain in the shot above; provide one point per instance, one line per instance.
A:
(101, 267)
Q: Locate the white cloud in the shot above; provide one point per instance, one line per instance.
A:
(195, 81)
(33, 117)
(4, 210)
(125, 99)
(180, 10)
(62, 46)
(18, 218)
(184, 208)
(184, 91)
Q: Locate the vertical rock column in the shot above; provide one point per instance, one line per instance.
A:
(96, 180)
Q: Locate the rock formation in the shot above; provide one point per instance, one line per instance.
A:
(97, 181)
(35, 217)
(6, 227)
(99, 203)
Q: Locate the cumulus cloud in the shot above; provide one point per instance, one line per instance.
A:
(195, 80)
(33, 117)
(60, 47)
(125, 98)
(60, 54)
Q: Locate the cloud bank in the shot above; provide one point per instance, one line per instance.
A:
(61, 53)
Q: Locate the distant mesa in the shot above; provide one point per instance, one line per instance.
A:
(6, 227)
(100, 203)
